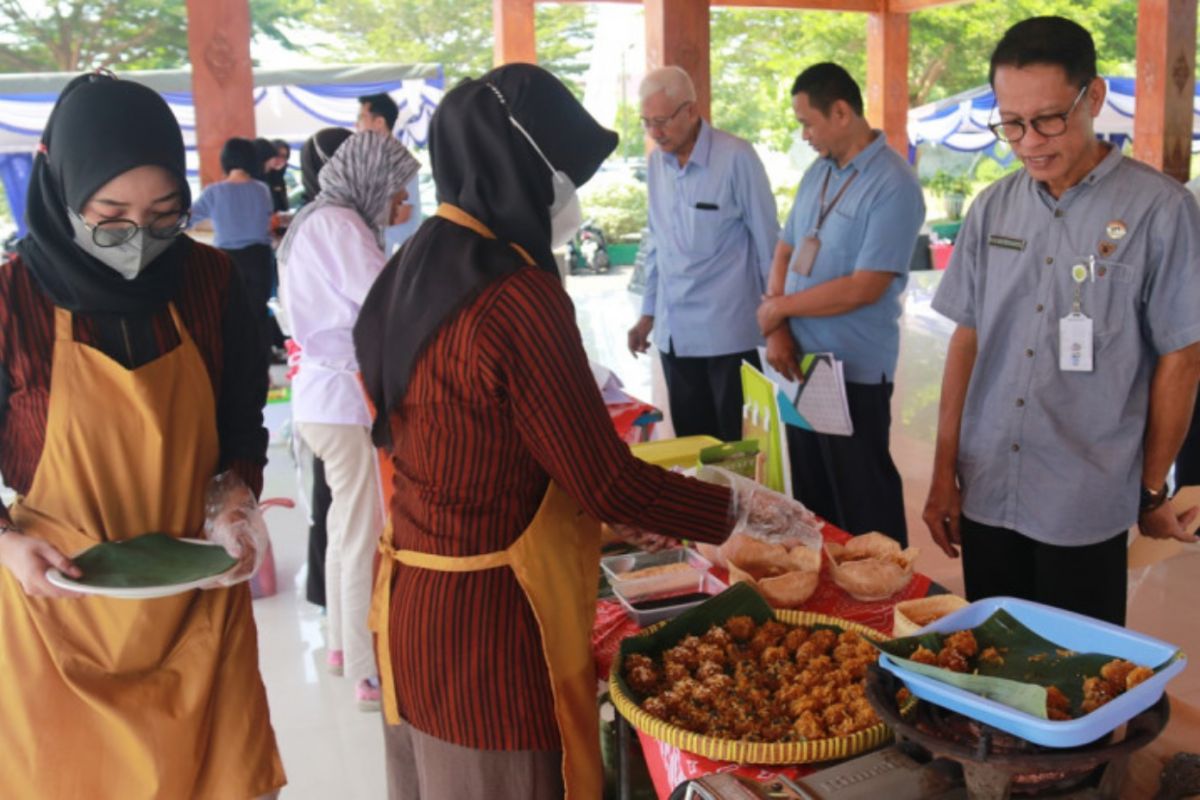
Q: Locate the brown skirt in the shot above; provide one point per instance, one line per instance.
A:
(420, 767)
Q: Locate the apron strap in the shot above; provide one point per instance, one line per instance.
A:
(62, 325)
(379, 617)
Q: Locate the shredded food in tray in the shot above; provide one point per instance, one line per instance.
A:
(759, 683)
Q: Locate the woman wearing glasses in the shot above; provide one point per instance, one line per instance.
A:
(131, 377)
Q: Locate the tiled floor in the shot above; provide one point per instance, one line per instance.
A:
(332, 750)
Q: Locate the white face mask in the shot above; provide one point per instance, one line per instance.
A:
(128, 258)
(566, 216)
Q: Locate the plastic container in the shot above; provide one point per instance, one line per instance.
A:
(704, 583)
(667, 453)
(1066, 629)
(616, 566)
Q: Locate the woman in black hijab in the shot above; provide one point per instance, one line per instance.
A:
(129, 377)
(315, 154)
(504, 459)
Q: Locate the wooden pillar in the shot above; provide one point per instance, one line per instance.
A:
(1166, 79)
(677, 35)
(887, 77)
(222, 77)
(513, 23)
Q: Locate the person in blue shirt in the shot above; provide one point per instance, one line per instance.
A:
(839, 270)
(240, 208)
(712, 230)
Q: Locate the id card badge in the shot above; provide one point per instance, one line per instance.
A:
(806, 256)
(1075, 343)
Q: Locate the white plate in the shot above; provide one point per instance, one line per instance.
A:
(56, 578)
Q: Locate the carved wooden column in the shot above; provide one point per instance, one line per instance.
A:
(1166, 79)
(677, 35)
(887, 77)
(516, 40)
(222, 77)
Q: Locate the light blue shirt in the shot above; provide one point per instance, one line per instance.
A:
(240, 213)
(713, 231)
(1058, 455)
(873, 227)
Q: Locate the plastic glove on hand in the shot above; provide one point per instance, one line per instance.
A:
(234, 521)
(765, 514)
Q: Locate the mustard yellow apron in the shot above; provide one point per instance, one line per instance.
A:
(556, 561)
(128, 699)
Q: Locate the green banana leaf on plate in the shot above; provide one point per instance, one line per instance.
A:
(1028, 665)
(156, 559)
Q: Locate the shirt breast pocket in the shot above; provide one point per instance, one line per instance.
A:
(708, 222)
(843, 232)
(1109, 298)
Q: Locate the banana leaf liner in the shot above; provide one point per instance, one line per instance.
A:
(156, 559)
(738, 600)
(1029, 665)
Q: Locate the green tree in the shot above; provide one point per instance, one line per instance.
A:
(454, 33)
(757, 53)
(76, 35)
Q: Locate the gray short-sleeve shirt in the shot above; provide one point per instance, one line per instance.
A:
(1057, 455)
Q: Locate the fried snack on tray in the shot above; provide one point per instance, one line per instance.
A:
(871, 566)
(760, 683)
(1058, 706)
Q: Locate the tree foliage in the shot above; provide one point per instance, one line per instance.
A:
(77, 35)
(454, 33)
(756, 53)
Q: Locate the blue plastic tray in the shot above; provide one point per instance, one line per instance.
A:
(1073, 631)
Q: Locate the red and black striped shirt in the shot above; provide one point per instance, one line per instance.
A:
(214, 309)
(500, 403)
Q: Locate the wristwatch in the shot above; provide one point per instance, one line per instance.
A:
(1152, 499)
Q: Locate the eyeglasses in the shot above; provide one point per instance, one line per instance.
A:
(661, 122)
(116, 232)
(1049, 125)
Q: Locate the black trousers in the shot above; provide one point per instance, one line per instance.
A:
(1090, 580)
(256, 267)
(318, 536)
(706, 393)
(851, 480)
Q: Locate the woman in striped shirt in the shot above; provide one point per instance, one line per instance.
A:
(499, 438)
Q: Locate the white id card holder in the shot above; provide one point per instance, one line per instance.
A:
(1075, 342)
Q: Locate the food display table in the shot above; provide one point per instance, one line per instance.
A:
(670, 766)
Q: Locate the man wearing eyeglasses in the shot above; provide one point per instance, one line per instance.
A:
(712, 229)
(1071, 375)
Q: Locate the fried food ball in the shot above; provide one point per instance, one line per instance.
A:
(740, 628)
(655, 707)
(643, 680)
(716, 636)
(794, 638)
(1096, 692)
(809, 726)
(923, 655)
(953, 660)
(1115, 672)
(676, 672)
(1058, 706)
(962, 641)
(709, 668)
(1138, 675)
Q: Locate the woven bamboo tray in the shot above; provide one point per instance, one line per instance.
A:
(739, 751)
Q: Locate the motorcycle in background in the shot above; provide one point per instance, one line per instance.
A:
(588, 251)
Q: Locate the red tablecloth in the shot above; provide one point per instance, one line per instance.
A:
(612, 625)
(668, 765)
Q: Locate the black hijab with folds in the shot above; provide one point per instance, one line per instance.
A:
(483, 165)
(100, 128)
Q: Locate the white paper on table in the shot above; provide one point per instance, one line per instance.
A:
(609, 385)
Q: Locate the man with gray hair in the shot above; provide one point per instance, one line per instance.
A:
(712, 233)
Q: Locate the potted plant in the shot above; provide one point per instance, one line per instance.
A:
(952, 189)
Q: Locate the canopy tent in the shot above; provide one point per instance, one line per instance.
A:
(960, 122)
(289, 104)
